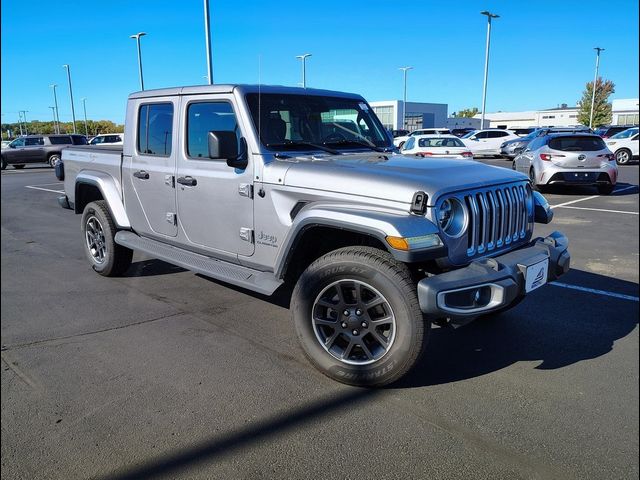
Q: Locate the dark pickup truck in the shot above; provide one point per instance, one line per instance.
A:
(37, 149)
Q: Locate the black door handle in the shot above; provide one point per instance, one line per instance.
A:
(141, 174)
(189, 181)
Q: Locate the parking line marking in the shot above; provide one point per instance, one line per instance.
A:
(45, 189)
(591, 197)
(598, 292)
(601, 210)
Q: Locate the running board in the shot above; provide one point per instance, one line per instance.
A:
(261, 282)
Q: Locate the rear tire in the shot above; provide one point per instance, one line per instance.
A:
(606, 189)
(53, 159)
(623, 156)
(4, 164)
(98, 233)
(357, 317)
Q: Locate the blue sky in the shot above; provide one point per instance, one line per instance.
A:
(541, 56)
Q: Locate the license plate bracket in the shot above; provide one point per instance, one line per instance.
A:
(535, 275)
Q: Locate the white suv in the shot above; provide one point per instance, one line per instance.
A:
(624, 145)
(107, 139)
(487, 142)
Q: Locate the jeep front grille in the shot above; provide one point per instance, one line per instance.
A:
(497, 217)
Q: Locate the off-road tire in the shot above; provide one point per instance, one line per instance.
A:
(374, 268)
(116, 259)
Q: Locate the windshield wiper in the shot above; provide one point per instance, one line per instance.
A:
(356, 142)
(292, 143)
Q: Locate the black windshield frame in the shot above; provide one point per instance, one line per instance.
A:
(303, 121)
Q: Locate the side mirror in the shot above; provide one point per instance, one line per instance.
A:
(224, 145)
(542, 210)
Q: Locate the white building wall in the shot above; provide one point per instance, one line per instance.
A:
(625, 111)
(390, 113)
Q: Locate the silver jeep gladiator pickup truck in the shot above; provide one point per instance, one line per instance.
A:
(264, 186)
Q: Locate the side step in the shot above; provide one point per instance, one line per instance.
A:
(261, 282)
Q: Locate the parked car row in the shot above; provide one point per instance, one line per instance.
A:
(48, 148)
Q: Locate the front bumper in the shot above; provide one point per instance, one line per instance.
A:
(499, 281)
(509, 151)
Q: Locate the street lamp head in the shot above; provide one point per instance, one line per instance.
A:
(303, 56)
(598, 49)
(489, 14)
(66, 65)
(405, 68)
(138, 35)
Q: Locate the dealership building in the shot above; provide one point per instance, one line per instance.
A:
(418, 114)
(624, 112)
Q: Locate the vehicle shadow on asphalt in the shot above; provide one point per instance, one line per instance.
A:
(152, 267)
(554, 326)
(171, 465)
(578, 190)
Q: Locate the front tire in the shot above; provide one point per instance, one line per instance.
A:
(98, 233)
(623, 156)
(357, 317)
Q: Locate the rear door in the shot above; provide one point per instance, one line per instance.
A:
(33, 150)
(577, 151)
(148, 174)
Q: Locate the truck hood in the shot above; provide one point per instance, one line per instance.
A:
(386, 176)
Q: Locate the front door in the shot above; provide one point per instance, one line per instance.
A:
(215, 205)
(148, 173)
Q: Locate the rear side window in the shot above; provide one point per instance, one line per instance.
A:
(440, 142)
(64, 140)
(32, 141)
(78, 140)
(577, 143)
(155, 129)
(409, 143)
(203, 118)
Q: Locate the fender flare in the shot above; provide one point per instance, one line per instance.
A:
(377, 224)
(108, 187)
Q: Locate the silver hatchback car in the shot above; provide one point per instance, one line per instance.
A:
(568, 159)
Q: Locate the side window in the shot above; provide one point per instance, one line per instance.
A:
(204, 117)
(409, 143)
(18, 142)
(481, 135)
(155, 129)
(32, 141)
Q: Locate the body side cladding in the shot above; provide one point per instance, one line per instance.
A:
(107, 186)
(375, 224)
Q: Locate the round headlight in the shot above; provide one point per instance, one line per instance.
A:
(451, 217)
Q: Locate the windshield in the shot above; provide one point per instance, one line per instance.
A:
(296, 122)
(469, 134)
(440, 142)
(630, 132)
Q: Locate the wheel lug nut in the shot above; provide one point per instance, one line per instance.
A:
(358, 312)
(364, 324)
(354, 331)
(343, 324)
(346, 312)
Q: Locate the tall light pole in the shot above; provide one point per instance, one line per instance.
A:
(86, 125)
(593, 88)
(56, 118)
(53, 114)
(404, 96)
(207, 39)
(486, 63)
(303, 57)
(20, 122)
(24, 116)
(73, 110)
(137, 37)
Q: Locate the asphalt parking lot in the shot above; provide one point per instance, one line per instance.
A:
(166, 374)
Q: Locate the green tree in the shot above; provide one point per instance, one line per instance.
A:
(602, 107)
(466, 113)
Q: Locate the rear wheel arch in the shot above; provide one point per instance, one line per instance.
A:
(86, 192)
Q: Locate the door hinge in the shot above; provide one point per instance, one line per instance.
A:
(246, 234)
(245, 190)
(171, 218)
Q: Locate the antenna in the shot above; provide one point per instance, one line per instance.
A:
(259, 97)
